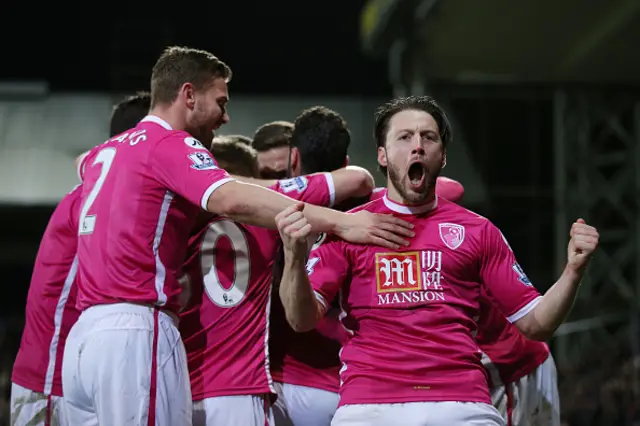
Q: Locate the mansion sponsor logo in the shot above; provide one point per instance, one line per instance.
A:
(411, 277)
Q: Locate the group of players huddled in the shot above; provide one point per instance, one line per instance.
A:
(200, 280)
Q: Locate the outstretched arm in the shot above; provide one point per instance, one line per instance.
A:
(252, 204)
(348, 182)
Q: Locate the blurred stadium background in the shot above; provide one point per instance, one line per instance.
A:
(544, 97)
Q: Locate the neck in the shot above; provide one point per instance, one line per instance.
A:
(394, 195)
(170, 115)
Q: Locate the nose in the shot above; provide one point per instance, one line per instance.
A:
(417, 146)
(418, 150)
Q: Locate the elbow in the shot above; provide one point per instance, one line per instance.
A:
(299, 319)
(300, 326)
(365, 183)
(538, 335)
(531, 328)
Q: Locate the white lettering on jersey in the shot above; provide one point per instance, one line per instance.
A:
(311, 263)
(218, 294)
(299, 184)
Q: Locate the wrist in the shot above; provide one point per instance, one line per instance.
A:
(573, 273)
(295, 257)
(342, 225)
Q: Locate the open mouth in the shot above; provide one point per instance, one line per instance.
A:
(416, 174)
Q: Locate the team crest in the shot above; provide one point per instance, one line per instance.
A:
(451, 234)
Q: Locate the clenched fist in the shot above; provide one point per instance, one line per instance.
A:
(584, 240)
(294, 229)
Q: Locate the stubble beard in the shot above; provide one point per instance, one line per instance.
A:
(397, 179)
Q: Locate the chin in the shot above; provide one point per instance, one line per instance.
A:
(412, 197)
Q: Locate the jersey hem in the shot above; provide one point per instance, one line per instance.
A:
(36, 388)
(232, 392)
(525, 371)
(334, 389)
(400, 400)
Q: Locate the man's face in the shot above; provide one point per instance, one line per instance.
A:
(273, 162)
(414, 155)
(208, 111)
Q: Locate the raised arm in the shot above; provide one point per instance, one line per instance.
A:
(302, 307)
(554, 307)
(537, 317)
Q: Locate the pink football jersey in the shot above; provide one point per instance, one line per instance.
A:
(306, 359)
(412, 313)
(141, 195)
(378, 193)
(508, 355)
(229, 267)
(51, 300)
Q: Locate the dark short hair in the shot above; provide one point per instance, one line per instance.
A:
(128, 112)
(322, 138)
(179, 65)
(272, 135)
(385, 112)
(235, 156)
(240, 139)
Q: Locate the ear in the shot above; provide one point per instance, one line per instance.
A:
(444, 159)
(382, 156)
(187, 93)
(295, 161)
(346, 161)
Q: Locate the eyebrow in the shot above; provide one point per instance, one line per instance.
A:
(398, 132)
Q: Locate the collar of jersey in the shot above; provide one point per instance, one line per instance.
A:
(157, 120)
(403, 209)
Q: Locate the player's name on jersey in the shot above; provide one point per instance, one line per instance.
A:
(410, 277)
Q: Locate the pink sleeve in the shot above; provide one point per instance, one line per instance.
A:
(378, 193)
(503, 278)
(187, 168)
(317, 189)
(327, 267)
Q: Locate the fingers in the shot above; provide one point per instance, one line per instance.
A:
(384, 243)
(387, 218)
(288, 216)
(585, 242)
(581, 228)
(297, 207)
(393, 241)
(396, 229)
(301, 233)
(295, 225)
